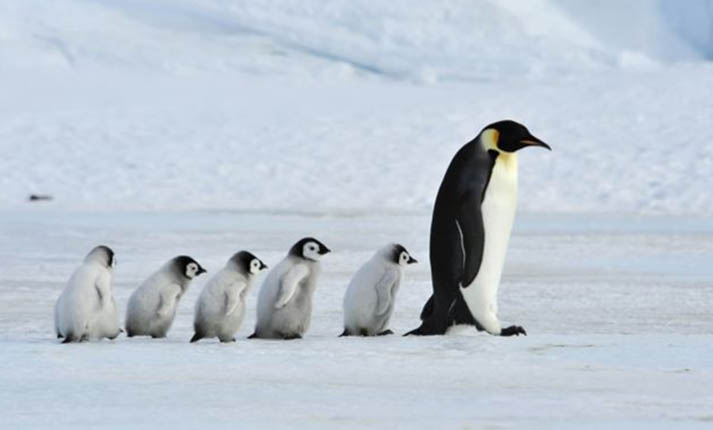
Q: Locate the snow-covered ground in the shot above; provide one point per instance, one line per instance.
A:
(184, 126)
(617, 310)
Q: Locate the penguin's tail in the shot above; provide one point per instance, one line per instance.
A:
(253, 336)
(426, 316)
(345, 333)
(427, 309)
(196, 337)
(415, 332)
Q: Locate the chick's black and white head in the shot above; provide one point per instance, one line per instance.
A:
(103, 254)
(309, 248)
(187, 266)
(400, 256)
(248, 263)
(507, 137)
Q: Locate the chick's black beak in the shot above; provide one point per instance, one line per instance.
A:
(263, 266)
(411, 260)
(533, 141)
(200, 270)
(324, 250)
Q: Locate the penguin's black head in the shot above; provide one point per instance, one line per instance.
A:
(309, 248)
(508, 136)
(187, 266)
(103, 254)
(400, 256)
(248, 263)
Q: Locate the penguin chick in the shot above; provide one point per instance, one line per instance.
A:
(284, 307)
(221, 306)
(86, 309)
(152, 307)
(369, 300)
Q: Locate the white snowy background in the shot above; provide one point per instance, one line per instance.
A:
(163, 127)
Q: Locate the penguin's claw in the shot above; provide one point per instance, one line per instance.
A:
(513, 330)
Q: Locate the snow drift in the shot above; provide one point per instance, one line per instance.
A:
(351, 106)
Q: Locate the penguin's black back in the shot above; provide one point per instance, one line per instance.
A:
(466, 179)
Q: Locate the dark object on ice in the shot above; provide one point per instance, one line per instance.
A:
(39, 197)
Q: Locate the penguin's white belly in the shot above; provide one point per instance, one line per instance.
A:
(498, 211)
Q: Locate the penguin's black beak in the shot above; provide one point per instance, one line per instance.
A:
(263, 266)
(324, 250)
(200, 270)
(533, 141)
(411, 260)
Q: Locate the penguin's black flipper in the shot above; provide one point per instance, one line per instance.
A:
(469, 222)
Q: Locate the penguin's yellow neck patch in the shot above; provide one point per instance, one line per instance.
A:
(490, 139)
(507, 160)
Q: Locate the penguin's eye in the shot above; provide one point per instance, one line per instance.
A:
(311, 248)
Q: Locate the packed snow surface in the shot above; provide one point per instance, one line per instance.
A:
(617, 310)
(162, 127)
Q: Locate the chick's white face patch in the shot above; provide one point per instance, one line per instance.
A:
(404, 258)
(310, 250)
(191, 270)
(255, 266)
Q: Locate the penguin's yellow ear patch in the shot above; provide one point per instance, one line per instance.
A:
(490, 139)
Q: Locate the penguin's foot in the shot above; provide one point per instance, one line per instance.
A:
(513, 330)
(385, 333)
(232, 339)
(291, 336)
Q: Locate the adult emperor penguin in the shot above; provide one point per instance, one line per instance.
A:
(369, 300)
(221, 306)
(284, 305)
(152, 307)
(470, 229)
(86, 309)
